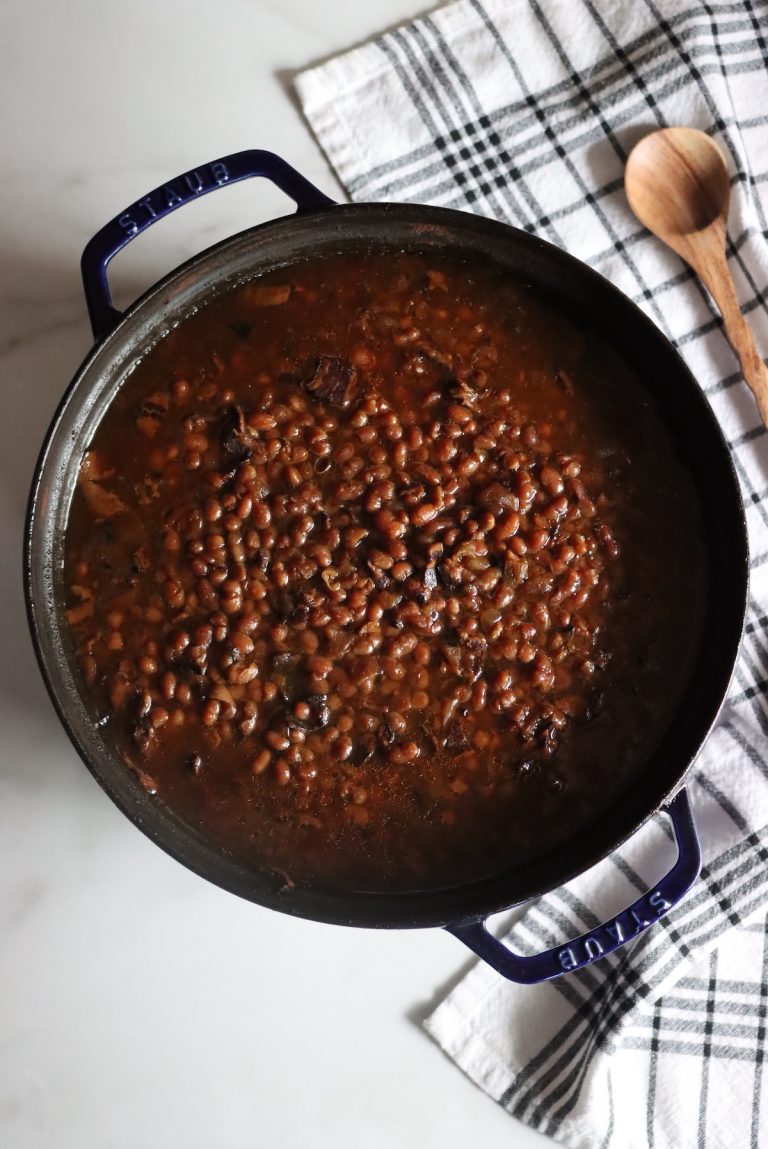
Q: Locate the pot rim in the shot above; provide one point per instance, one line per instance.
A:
(397, 909)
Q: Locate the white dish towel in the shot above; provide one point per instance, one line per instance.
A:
(525, 110)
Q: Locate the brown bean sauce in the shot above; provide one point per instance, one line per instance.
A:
(384, 572)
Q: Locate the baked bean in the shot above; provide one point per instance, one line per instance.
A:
(210, 712)
(406, 752)
(551, 480)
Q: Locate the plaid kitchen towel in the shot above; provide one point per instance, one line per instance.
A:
(525, 110)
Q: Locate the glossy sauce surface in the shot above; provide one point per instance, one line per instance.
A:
(385, 573)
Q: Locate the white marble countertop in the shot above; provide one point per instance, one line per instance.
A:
(140, 1006)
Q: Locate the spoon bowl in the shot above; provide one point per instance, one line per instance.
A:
(677, 182)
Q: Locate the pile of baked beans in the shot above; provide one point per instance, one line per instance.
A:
(359, 571)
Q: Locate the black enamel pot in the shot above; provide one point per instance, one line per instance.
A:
(321, 226)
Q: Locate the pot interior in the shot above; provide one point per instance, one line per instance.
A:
(571, 286)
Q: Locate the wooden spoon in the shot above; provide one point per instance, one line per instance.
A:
(677, 185)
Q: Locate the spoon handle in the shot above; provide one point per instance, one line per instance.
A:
(717, 277)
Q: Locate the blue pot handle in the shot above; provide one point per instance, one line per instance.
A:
(604, 939)
(169, 196)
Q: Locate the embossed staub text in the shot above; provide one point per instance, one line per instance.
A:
(621, 929)
(172, 195)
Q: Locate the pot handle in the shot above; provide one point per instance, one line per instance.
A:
(609, 936)
(171, 195)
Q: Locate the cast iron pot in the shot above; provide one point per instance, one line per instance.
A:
(321, 226)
